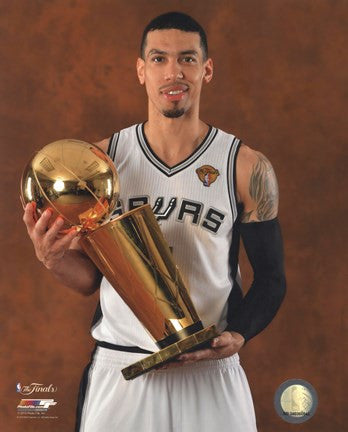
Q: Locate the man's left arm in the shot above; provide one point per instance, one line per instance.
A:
(257, 190)
(261, 235)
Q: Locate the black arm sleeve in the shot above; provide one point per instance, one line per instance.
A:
(264, 247)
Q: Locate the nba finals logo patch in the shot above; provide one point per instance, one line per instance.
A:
(207, 174)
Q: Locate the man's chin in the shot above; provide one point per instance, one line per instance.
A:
(174, 113)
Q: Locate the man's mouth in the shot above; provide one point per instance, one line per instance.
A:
(174, 93)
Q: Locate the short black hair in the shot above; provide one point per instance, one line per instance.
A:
(177, 21)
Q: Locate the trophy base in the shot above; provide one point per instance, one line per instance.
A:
(169, 353)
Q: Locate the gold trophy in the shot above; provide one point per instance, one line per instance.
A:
(79, 182)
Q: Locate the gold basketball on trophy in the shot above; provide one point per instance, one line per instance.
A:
(77, 180)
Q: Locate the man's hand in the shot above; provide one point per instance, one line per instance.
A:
(49, 246)
(225, 345)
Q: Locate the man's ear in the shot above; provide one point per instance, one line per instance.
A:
(140, 70)
(208, 70)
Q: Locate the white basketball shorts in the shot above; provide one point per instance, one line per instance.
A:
(206, 396)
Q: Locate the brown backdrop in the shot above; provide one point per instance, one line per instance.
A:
(68, 71)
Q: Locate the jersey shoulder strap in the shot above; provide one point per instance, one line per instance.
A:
(234, 146)
(115, 139)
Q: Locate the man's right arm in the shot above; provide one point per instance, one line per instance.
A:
(62, 255)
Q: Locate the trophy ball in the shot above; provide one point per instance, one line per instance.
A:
(75, 179)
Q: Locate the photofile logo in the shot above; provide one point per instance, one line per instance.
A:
(35, 404)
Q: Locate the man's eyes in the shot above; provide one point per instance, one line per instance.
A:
(186, 59)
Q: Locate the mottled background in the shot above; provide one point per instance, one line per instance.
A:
(280, 84)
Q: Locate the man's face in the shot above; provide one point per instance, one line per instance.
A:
(173, 70)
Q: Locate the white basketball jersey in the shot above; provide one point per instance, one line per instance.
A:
(195, 204)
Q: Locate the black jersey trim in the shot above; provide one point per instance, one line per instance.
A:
(236, 203)
(98, 315)
(109, 146)
(83, 391)
(163, 167)
(231, 176)
(236, 295)
(113, 145)
(132, 349)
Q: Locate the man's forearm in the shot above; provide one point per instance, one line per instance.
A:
(263, 245)
(77, 271)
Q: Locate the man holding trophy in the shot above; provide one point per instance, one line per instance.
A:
(206, 189)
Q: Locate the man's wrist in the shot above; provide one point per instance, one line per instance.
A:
(239, 338)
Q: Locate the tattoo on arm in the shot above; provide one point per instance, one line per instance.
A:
(263, 189)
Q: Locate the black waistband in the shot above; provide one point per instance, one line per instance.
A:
(133, 349)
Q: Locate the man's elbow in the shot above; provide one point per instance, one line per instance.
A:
(277, 287)
(87, 292)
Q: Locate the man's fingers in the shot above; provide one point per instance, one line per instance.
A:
(42, 224)
(50, 242)
(204, 354)
(29, 216)
(221, 346)
(171, 365)
(55, 243)
(65, 241)
(224, 339)
(33, 207)
(53, 231)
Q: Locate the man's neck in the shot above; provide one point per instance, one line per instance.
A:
(173, 140)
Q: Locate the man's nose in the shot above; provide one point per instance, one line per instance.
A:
(173, 71)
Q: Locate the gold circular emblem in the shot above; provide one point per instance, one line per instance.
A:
(296, 401)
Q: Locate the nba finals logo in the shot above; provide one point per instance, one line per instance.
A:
(35, 388)
(35, 408)
(207, 174)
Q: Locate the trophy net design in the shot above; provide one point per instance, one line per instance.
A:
(148, 280)
(129, 250)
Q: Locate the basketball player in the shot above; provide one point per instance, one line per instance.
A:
(207, 189)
